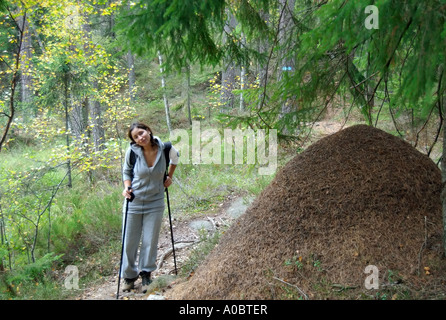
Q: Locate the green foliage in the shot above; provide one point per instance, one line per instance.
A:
(77, 226)
(24, 282)
(403, 58)
(178, 29)
(84, 222)
(187, 32)
(34, 271)
(207, 243)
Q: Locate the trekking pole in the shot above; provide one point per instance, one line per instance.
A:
(171, 231)
(123, 238)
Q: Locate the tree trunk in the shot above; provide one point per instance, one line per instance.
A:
(262, 66)
(94, 108)
(242, 78)
(67, 126)
(13, 83)
(92, 115)
(2, 236)
(26, 90)
(356, 78)
(443, 178)
(110, 21)
(186, 91)
(163, 85)
(370, 95)
(227, 85)
(131, 66)
(242, 87)
(229, 71)
(132, 75)
(77, 117)
(287, 63)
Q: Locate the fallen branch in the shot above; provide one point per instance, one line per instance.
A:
(223, 222)
(213, 223)
(168, 252)
(292, 285)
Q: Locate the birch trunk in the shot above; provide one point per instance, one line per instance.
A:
(262, 66)
(163, 85)
(186, 91)
(242, 79)
(132, 75)
(94, 108)
(25, 62)
(229, 71)
(285, 33)
(67, 126)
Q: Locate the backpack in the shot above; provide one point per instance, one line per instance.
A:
(167, 146)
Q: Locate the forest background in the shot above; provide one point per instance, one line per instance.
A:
(74, 74)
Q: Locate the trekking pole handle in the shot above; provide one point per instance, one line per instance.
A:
(132, 196)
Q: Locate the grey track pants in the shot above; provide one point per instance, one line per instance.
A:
(148, 226)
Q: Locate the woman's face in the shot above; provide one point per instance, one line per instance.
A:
(141, 136)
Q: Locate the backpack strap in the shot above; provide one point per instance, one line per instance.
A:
(167, 147)
(132, 157)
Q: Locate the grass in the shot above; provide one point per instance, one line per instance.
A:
(199, 186)
(199, 254)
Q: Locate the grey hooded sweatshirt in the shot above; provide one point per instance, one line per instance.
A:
(147, 182)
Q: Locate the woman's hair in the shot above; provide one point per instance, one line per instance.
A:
(143, 126)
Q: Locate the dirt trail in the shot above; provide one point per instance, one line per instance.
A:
(186, 235)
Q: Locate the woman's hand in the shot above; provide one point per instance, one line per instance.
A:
(127, 193)
(167, 182)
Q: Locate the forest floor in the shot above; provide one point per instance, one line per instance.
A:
(187, 234)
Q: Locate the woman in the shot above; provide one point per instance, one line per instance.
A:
(146, 181)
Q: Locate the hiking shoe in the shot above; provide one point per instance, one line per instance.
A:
(129, 284)
(146, 281)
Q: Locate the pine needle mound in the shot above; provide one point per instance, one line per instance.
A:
(355, 198)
